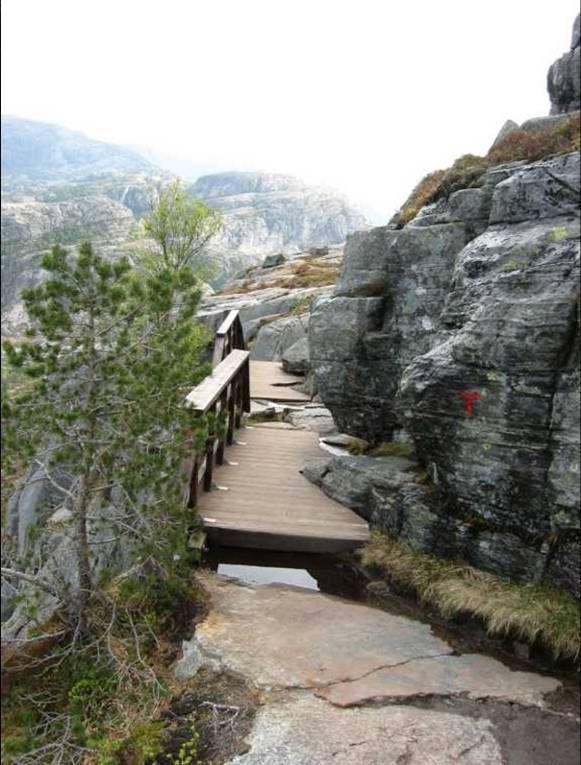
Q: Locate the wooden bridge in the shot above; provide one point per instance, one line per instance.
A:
(257, 496)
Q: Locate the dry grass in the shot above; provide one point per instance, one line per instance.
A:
(312, 274)
(301, 274)
(529, 612)
(467, 171)
(532, 146)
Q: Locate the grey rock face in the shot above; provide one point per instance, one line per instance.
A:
(385, 311)
(469, 343)
(296, 359)
(564, 77)
(544, 189)
(276, 337)
(512, 309)
(509, 127)
(274, 260)
(536, 124)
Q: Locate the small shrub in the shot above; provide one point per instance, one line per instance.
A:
(303, 306)
(358, 446)
(423, 194)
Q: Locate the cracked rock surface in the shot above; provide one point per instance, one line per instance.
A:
(343, 682)
(306, 731)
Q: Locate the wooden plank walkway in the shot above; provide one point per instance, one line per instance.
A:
(269, 505)
(269, 381)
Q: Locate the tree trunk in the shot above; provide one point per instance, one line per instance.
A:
(83, 557)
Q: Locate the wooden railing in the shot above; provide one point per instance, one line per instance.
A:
(224, 395)
(229, 337)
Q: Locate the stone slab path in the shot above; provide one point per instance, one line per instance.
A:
(344, 683)
(269, 381)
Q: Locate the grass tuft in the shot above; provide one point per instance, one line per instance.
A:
(359, 446)
(393, 449)
(529, 612)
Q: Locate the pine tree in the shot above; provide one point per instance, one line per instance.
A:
(109, 358)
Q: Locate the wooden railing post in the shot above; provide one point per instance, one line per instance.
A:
(225, 393)
(231, 413)
(222, 438)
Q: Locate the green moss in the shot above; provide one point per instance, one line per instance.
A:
(393, 449)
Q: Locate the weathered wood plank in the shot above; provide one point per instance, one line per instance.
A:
(204, 395)
(270, 505)
(227, 323)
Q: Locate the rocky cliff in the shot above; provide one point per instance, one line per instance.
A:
(266, 213)
(459, 332)
(30, 227)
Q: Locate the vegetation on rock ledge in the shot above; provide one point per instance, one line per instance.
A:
(467, 171)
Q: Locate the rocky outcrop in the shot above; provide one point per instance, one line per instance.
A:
(275, 337)
(461, 329)
(564, 78)
(350, 684)
(274, 301)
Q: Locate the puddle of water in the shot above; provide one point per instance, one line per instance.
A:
(268, 575)
(313, 572)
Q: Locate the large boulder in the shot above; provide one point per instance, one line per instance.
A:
(275, 337)
(296, 359)
(564, 77)
(385, 312)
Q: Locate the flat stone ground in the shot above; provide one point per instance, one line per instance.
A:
(344, 683)
(269, 381)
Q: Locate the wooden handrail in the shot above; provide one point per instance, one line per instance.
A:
(225, 392)
(229, 337)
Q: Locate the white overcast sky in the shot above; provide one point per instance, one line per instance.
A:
(363, 95)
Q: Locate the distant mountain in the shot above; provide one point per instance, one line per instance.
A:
(60, 186)
(189, 169)
(39, 152)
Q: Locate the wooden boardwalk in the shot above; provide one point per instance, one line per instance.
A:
(269, 381)
(246, 482)
(269, 505)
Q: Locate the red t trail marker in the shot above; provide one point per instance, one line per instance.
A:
(470, 396)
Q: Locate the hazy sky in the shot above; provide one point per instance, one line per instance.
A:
(363, 95)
